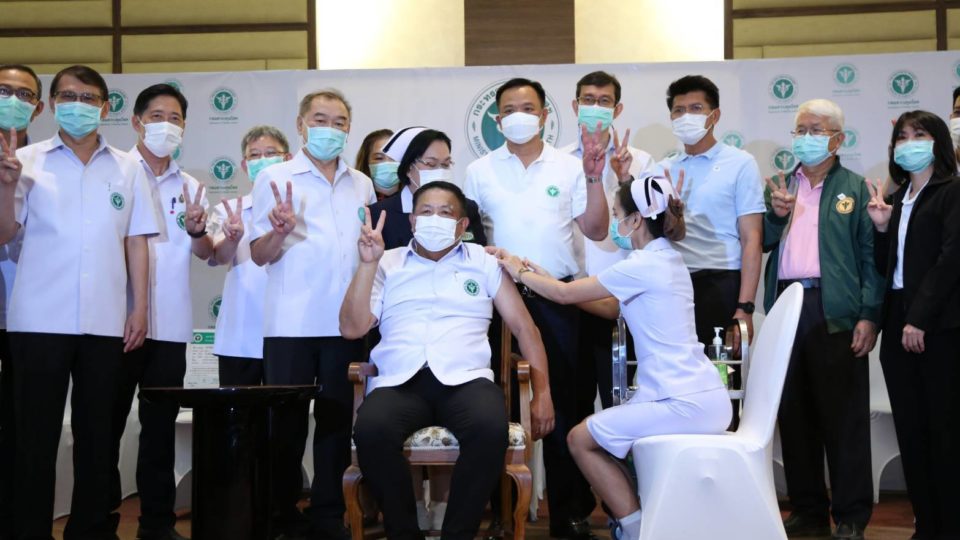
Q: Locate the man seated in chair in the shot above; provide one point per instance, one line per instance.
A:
(433, 300)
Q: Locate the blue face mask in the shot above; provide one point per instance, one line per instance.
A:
(811, 150)
(15, 113)
(385, 174)
(589, 115)
(913, 156)
(622, 242)
(325, 143)
(254, 166)
(77, 119)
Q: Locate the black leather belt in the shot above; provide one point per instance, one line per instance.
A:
(806, 283)
(527, 292)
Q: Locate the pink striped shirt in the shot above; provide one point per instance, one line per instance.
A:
(801, 249)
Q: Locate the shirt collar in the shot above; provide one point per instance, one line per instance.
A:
(301, 164)
(658, 244)
(56, 142)
(547, 154)
(406, 199)
(173, 169)
(460, 251)
(709, 154)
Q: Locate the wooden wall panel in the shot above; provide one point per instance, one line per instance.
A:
(500, 32)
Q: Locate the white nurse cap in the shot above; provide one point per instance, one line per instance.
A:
(398, 144)
(652, 194)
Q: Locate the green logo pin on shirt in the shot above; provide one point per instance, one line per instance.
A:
(472, 287)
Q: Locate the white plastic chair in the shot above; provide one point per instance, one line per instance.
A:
(721, 486)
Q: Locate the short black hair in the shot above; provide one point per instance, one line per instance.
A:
(600, 79)
(444, 186)
(693, 83)
(152, 92)
(84, 74)
(28, 70)
(415, 150)
(956, 94)
(944, 158)
(520, 82)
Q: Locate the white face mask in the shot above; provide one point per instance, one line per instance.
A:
(162, 138)
(955, 131)
(690, 128)
(435, 175)
(520, 127)
(435, 233)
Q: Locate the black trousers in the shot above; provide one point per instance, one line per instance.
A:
(826, 407)
(595, 369)
(240, 371)
(926, 412)
(156, 364)
(44, 365)
(474, 412)
(6, 439)
(323, 361)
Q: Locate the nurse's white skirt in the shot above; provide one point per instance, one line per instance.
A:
(703, 413)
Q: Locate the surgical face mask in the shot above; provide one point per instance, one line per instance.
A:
(435, 233)
(435, 175)
(589, 115)
(622, 242)
(955, 131)
(520, 127)
(385, 174)
(325, 143)
(812, 150)
(913, 156)
(690, 128)
(76, 118)
(254, 166)
(162, 138)
(15, 113)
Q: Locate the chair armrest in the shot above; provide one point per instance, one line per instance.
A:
(526, 394)
(358, 372)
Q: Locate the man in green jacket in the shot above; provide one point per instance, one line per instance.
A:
(818, 233)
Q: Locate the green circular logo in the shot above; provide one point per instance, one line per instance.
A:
(845, 74)
(903, 83)
(177, 153)
(956, 69)
(783, 87)
(116, 200)
(223, 100)
(197, 337)
(472, 287)
(182, 221)
(553, 191)
(362, 215)
(733, 138)
(223, 169)
(851, 138)
(481, 127)
(784, 160)
(117, 100)
(175, 83)
(214, 307)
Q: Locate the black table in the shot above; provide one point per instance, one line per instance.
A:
(231, 455)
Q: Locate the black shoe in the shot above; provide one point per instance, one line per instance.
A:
(159, 534)
(848, 531)
(574, 529)
(797, 525)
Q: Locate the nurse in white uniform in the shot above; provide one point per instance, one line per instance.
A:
(679, 390)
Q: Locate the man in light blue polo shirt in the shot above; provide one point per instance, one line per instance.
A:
(723, 194)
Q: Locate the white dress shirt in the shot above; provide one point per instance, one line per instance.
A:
(656, 300)
(530, 211)
(434, 314)
(171, 304)
(9, 253)
(240, 322)
(305, 287)
(72, 273)
(595, 256)
(902, 229)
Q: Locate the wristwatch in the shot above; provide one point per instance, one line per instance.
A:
(200, 234)
(594, 179)
(747, 307)
(520, 274)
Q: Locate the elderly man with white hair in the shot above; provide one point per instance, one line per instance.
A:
(818, 233)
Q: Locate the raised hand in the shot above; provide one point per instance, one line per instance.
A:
(594, 154)
(195, 220)
(370, 244)
(622, 158)
(233, 225)
(10, 166)
(782, 201)
(878, 209)
(282, 217)
(678, 185)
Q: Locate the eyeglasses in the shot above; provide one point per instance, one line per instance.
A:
(68, 96)
(23, 94)
(816, 132)
(604, 101)
(680, 110)
(254, 154)
(434, 164)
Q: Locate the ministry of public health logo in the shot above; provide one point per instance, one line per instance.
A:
(783, 160)
(471, 287)
(902, 84)
(845, 74)
(214, 307)
(223, 100)
(182, 221)
(851, 138)
(481, 123)
(174, 83)
(116, 200)
(177, 153)
(783, 88)
(223, 169)
(117, 100)
(733, 138)
(956, 70)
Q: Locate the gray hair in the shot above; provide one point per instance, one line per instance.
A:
(823, 108)
(264, 131)
(327, 93)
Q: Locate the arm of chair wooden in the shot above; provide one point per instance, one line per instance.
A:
(526, 394)
(358, 372)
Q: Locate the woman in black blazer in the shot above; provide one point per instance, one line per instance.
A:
(424, 156)
(918, 249)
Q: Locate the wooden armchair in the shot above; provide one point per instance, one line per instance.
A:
(437, 447)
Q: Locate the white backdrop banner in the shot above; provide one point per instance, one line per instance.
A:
(758, 99)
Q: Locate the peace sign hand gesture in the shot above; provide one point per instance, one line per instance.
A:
(370, 244)
(678, 185)
(282, 217)
(10, 166)
(781, 200)
(594, 154)
(878, 209)
(195, 220)
(233, 225)
(622, 158)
